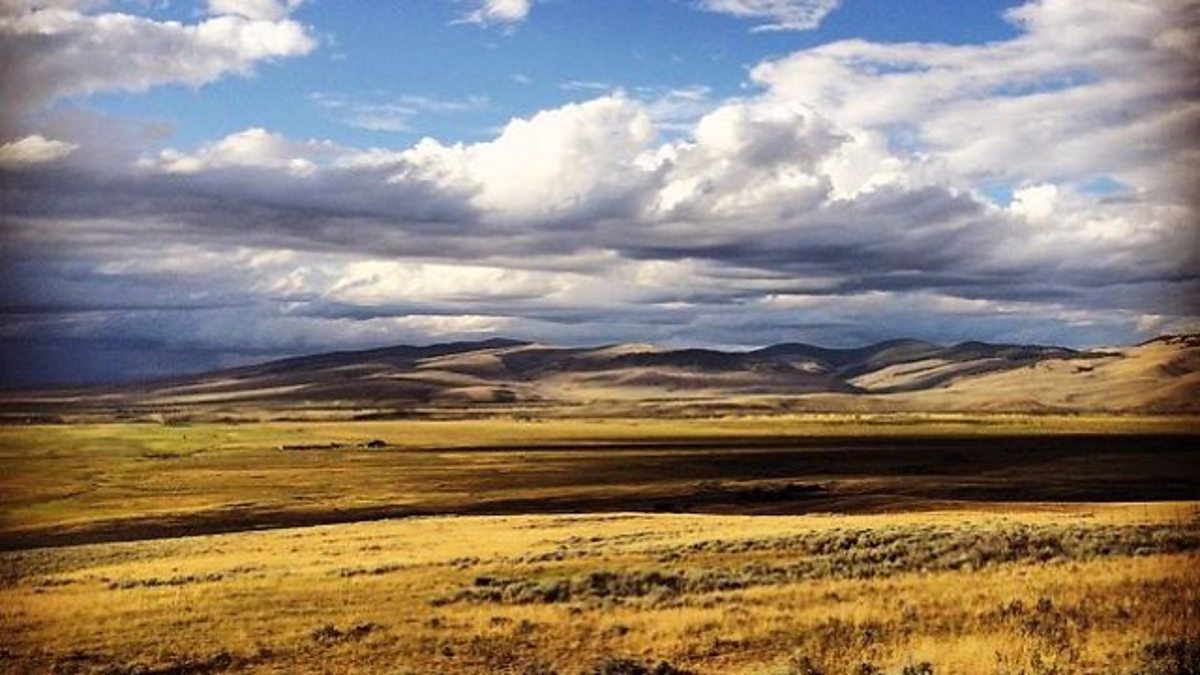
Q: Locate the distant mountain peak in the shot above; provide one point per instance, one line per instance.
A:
(486, 343)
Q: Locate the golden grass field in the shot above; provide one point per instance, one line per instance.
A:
(900, 544)
(1085, 589)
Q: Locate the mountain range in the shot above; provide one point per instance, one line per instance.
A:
(1158, 376)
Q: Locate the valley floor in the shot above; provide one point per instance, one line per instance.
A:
(83, 483)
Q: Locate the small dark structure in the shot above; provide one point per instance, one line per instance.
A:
(374, 444)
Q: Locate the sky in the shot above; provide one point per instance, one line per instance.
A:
(192, 185)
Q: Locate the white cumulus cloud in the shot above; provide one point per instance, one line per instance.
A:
(1084, 91)
(54, 52)
(499, 11)
(35, 149)
(557, 162)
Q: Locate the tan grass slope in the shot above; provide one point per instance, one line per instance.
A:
(1158, 376)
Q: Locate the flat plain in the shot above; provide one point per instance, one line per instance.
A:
(94, 482)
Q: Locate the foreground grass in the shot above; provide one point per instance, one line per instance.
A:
(1090, 588)
(68, 476)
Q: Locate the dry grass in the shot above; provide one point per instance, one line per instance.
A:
(959, 577)
(70, 475)
(1098, 588)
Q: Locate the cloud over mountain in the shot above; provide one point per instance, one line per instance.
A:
(848, 192)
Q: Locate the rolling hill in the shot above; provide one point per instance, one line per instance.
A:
(1158, 376)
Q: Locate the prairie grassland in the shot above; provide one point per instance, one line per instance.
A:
(74, 477)
(1069, 589)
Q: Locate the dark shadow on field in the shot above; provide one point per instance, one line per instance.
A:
(780, 476)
